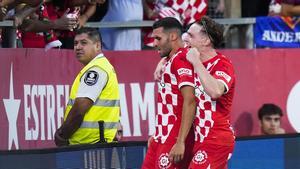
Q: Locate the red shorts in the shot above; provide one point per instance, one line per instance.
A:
(157, 157)
(210, 156)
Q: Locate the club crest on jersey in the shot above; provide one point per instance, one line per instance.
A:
(224, 75)
(200, 157)
(91, 78)
(163, 161)
(184, 71)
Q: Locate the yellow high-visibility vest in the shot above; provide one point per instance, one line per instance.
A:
(106, 108)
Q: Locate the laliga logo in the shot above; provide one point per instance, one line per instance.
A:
(291, 21)
(12, 106)
(292, 104)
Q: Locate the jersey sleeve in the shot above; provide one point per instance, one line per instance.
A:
(184, 71)
(92, 83)
(224, 72)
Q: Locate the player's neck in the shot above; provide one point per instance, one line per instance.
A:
(207, 54)
(176, 46)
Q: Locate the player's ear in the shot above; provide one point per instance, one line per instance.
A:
(174, 36)
(207, 41)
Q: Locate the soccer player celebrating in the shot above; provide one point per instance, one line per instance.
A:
(176, 101)
(214, 137)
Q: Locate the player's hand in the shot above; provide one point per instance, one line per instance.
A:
(177, 152)
(159, 69)
(193, 56)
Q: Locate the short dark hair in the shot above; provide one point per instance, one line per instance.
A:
(168, 23)
(269, 109)
(92, 33)
(213, 29)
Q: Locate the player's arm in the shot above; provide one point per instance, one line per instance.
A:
(188, 113)
(184, 73)
(213, 87)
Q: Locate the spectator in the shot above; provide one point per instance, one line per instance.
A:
(13, 3)
(270, 116)
(275, 8)
(56, 9)
(122, 38)
(216, 8)
(290, 7)
(255, 8)
(101, 10)
(186, 12)
(85, 9)
(92, 113)
(38, 30)
(89, 12)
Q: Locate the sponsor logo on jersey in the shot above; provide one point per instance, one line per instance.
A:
(224, 75)
(184, 71)
(163, 161)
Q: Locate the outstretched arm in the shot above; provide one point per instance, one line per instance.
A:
(63, 23)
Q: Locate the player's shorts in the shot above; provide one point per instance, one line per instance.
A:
(157, 157)
(210, 156)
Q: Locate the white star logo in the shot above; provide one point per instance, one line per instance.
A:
(12, 109)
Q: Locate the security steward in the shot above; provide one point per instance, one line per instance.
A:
(92, 113)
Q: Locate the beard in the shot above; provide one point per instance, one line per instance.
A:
(165, 53)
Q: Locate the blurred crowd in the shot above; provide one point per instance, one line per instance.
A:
(270, 8)
(50, 23)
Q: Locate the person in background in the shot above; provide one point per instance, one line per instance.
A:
(93, 109)
(186, 12)
(122, 38)
(38, 29)
(274, 7)
(255, 8)
(290, 8)
(270, 116)
(216, 8)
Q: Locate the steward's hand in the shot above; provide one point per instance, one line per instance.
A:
(59, 141)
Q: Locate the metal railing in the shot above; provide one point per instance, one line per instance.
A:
(238, 31)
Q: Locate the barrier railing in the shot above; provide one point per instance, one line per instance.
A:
(238, 31)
